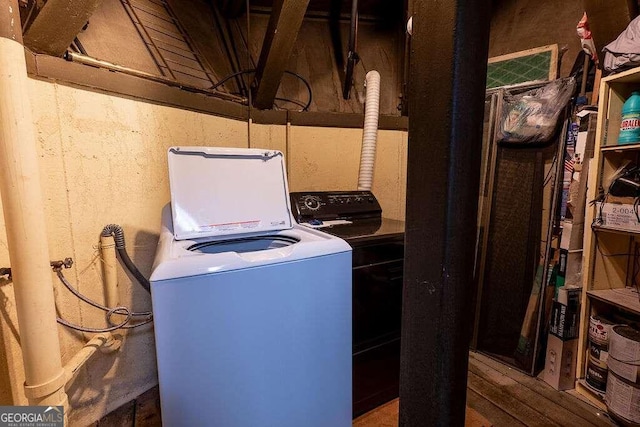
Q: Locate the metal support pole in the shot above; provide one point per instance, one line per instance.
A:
(446, 103)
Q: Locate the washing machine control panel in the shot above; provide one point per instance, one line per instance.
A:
(327, 205)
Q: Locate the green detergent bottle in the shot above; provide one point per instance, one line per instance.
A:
(630, 125)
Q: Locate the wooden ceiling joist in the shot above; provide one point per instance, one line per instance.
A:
(56, 24)
(282, 32)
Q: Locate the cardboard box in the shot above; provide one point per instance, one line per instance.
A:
(617, 216)
(560, 363)
(565, 314)
(562, 343)
(569, 296)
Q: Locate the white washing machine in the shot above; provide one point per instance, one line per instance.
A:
(252, 313)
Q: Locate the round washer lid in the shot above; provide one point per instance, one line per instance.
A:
(227, 191)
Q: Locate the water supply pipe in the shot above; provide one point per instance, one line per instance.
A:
(370, 131)
(109, 270)
(23, 207)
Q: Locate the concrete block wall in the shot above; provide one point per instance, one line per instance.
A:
(103, 160)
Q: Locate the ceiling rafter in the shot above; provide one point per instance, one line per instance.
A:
(56, 23)
(282, 32)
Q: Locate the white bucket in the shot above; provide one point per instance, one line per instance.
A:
(624, 352)
(623, 399)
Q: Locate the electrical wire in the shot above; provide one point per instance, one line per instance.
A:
(306, 83)
(293, 101)
(599, 220)
(229, 77)
(305, 107)
(361, 62)
(622, 254)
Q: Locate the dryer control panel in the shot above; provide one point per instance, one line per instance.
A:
(330, 205)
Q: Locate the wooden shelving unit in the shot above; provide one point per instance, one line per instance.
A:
(621, 148)
(610, 255)
(603, 229)
(594, 396)
(623, 298)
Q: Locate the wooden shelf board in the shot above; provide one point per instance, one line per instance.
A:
(629, 76)
(624, 147)
(599, 228)
(624, 298)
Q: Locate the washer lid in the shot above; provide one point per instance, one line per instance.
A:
(227, 191)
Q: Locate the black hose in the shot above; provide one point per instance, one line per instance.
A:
(124, 256)
(118, 236)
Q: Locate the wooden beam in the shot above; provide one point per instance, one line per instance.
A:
(10, 21)
(282, 32)
(56, 24)
(447, 75)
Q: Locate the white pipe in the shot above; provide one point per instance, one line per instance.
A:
(109, 271)
(105, 342)
(93, 62)
(370, 131)
(23, 207)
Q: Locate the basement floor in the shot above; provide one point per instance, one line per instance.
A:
(497, 395)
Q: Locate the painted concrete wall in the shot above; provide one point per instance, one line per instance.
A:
(103, 160)
(329, 159)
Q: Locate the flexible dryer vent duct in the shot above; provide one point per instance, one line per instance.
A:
(370, 132)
